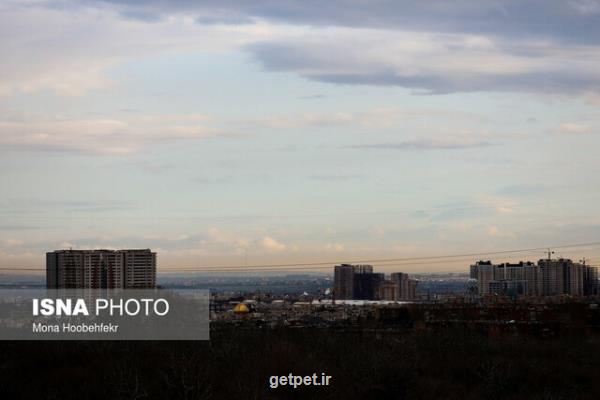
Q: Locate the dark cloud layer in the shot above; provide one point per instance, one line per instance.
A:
(536, 37)
(571, 20)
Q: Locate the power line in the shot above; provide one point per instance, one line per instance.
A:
(22, 269)
(298, 268)
(384, 260)
(327, 264)
(387, 264)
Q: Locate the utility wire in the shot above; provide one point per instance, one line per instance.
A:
(384, 260)
(327, 264)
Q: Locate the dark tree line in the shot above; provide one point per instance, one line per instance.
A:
(236, 364)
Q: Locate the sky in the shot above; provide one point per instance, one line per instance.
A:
(225, 133)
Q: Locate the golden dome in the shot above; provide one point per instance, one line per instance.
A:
(241, 308)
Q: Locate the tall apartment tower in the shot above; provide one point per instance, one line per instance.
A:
(553, 276)
(366, 285)
(106, 269)
(64, 269)
(139, 268)
(388, 290)
(485, 273)
(102, 269)
(546, 278)
(344, 281)
(590, 281)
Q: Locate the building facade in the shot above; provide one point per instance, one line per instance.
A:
(366, 285)
(344, 280)
(388, 290)
(139, 268)
(405, 287)
(359, 282)
(106, 269)
(549, 277)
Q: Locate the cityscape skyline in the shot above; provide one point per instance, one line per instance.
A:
(137, 268)
(224, 133)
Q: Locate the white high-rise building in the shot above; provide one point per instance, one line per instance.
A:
(546, 278)
(111, 269)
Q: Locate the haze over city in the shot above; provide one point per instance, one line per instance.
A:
(233, 133)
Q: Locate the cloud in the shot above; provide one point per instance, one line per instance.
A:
(154, 167)
(572, 20)
(377, 232)
(433, 47)
(313, 97)
(337, 178)
(467, 212)
(498, 204)
(526, 190)
(271, 245)
(227, 239)
(213, 180)
(13, 242)
(70, 49)
(165, 242)
(425, 144)
(67, 245)
(20, 227)
(383, 117)
(366, 119)
(592, 98)
(494, 231)
(24, 206)
(504, 210)
(432, 62)
(213, 242)
(481, 208)
(586, 7)
(337, 247)
(574, 128)
(99, 136)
